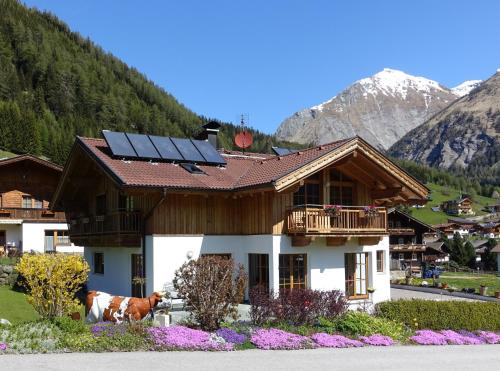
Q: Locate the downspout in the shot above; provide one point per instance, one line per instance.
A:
(144, 222)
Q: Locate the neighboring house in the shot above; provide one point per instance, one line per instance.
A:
(496, 250)
(147, 214)
(27, 184)
(460, 206)
(448, 230)
(407, 243)
(492, 208)
(489, 230)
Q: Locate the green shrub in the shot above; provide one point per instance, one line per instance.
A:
(442, 315)
(362, 324)
(70, 326)
(31, 337)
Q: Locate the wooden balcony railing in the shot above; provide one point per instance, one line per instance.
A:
(401, 231)
(32, 214)
(349, 221)
(120, 222)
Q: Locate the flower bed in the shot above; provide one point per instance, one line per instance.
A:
(278, 339)
(184, 338)
(334, 341)
(444, 337)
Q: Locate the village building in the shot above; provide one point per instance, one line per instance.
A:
(448, 230)
(407, 242)
(144, 205)
(489, 230)
(460, 206)
(27, 184)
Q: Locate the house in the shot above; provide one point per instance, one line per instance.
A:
(407, 242)
(492, 208)
(144, 205)
(496, 250)
(448, 230)
(460, 206)
(27, 184)
(489, 230)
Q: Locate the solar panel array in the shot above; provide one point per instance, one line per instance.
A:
(152, 147)
(282, 151)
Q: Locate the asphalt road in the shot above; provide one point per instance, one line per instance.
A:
(410, 294)
(442, 358)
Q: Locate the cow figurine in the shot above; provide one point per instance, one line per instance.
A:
(101, 306)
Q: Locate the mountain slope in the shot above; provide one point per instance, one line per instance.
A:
(464, 135)
(466, 87)
(54, 85)
(381, 109)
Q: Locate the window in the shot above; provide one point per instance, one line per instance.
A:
(100, 205)
(99, 262)
(401, 241)
(380, 260)
(292, 271)
(37, 204)
(192, 168)
(126, 203)
(307, 194)
(414, 256)
(258, 270)
(341, 189)
(401, 256)
(27, 202)
(356, 275)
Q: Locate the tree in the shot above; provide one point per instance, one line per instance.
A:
(212, 288)
(460, 252)
(489, 258)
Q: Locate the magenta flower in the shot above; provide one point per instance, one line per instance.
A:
(3, 346)
(456, 338)
(278, 339)
(334, 341)
(377, 340)
(429, 337)
(489, 337)
(183, 338)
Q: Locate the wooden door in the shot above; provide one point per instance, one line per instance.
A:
(258, 270)
(138, 288)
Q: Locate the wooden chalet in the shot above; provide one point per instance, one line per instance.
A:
(145, 217)
(459, 206)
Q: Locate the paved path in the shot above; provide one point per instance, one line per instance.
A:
(442, 358)
(410, 294)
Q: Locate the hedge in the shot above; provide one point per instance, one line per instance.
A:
(442, 315)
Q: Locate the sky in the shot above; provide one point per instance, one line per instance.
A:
(267, 59)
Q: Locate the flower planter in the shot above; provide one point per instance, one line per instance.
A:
(483, 290)
(497, 294)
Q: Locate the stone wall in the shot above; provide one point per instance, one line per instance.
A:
(8, 274)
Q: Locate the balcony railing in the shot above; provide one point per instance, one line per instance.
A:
(121, 222)
(401, 231)
(32, 214)
(347, 221)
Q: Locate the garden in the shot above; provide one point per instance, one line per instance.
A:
(212, 287)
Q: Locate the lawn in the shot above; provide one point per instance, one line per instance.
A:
(462, 280)
(440, 194)
(14, 307)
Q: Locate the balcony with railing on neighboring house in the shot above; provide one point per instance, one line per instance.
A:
(115, 228)
(343, 221)
(407, 247)
(32, 215)
(401, 231)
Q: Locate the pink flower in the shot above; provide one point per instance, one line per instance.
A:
(183, 338)
(3, 346)
(377, 340)
(334, 341)
(278, 339)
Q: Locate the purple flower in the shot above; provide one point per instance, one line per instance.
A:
(108, 329)
(278, 339)
(334, 341)
(231, 336)
(456, 338)
(377, 340)
(183, 338)
(429, 337)
(489, 337)
(3, 346)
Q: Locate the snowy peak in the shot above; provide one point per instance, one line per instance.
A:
(397, 83)
(466, 87)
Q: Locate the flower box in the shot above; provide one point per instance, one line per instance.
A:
(332, 210)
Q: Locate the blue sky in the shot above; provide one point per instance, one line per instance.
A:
(269, 59)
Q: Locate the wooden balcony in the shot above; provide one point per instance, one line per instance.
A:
(33, 215)
(409, 247)
(312, 220)
(120, 228)
(401, 231)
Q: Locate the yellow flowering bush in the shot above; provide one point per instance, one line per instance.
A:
(52, 282)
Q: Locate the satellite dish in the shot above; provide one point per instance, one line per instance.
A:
(244, 139)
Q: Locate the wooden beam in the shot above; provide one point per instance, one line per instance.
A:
(368, 240)
(386, 193)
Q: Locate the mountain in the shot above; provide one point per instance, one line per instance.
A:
(465, 135)
(55, 84)
(466, 87)
(381, 109)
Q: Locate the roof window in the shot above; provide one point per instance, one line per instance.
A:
(192, 168)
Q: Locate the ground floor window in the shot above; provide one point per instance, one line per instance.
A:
(99, 262)
(380, 261)
(356, 275)
(258, 270)
(292, 271)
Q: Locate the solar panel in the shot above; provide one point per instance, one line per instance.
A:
(166, 148)
(143, 146)
(119, 144)
(188, 150)
(282, 151)
(209, 152)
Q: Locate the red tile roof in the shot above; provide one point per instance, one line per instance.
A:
(241, 171)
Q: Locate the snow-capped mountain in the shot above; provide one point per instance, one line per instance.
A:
(381, 109)
(466, 87)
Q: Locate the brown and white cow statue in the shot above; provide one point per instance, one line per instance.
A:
(101, 306)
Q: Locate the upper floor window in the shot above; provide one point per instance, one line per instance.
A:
(341, 189)
(100, 204)
(27, 202)
(37, 204)
(126, 203)
(309, 194)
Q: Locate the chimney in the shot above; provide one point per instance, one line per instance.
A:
(210, 132)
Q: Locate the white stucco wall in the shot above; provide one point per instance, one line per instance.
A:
(33, 237)
(117, 277)
(325, 264)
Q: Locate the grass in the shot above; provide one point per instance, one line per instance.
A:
(6, 154)
(460, 280)
(8, 261)
(440, 194)
(14, 307)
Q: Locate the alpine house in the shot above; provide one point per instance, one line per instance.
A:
(143, 205)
